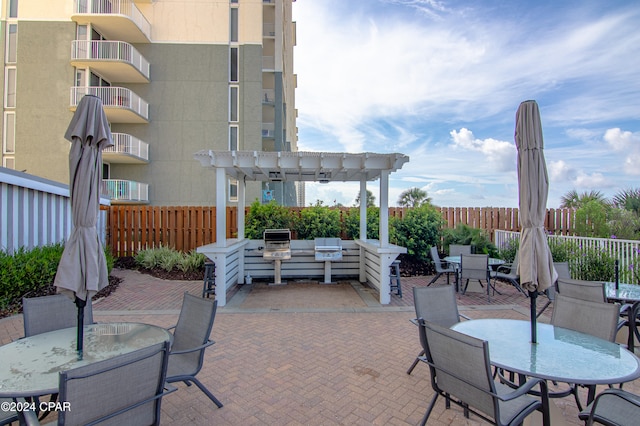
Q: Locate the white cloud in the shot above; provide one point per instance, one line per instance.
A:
(500, 155)
(627, 143)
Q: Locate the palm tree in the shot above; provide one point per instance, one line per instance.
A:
(371, 199)
(628, 199)
(413, 197)
(573, 200)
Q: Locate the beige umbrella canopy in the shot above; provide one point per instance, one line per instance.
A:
(535, 265)
(82, 271)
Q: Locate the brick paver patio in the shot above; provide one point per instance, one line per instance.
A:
(300, 364)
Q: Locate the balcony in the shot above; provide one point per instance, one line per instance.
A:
(268, 63)
(121, 105)
(268, 130)
(125, 191)
(268, 96)
(126, 149)
(268, 29)
(116, 61)
(115, 19)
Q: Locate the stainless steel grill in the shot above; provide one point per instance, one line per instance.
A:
(277, 247)
(328, 250)
(277, 244)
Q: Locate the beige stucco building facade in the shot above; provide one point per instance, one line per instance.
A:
(175, 77)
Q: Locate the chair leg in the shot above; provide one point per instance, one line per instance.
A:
(206, 392)
(415, 362)
(428, 413)
(435, 278)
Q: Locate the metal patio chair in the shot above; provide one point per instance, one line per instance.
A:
(595, 318)
(190, 339)
(562, 268)
(459, 249)
(441, 267)
(124, 390)
(475, 267)
(509, 272)
(467, 381)
(48, 313)
(7, 417)
(437, 305)
(613, 407)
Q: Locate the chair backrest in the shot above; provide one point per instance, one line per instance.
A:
(436, 259)
(100, 389)
(437, 305)
(192, 330)
(467, 375)
(562, 268)
(474, 266)
(598, 319)
(580, 289)
(458, 249)
(48, 313)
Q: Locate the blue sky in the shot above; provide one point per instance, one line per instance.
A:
(440, 81)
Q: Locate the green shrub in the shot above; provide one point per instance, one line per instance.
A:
(317, 222)
(593, 265)
(466, 235)
(267, 216)
(26, 271)
(417, 231)
(508, 252)
(168, 259)
(352, 223)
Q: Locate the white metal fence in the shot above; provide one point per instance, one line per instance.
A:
(36, 212)
(626, 251)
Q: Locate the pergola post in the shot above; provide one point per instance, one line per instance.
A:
(221, 207)
(363, 209)
(384, 208)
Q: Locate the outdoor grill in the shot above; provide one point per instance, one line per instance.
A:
(328, 250)
(277, 247)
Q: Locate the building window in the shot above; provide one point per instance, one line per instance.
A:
(12, 43)
(13, 8)
(10, 87)
(233, 103)
(233, 190)
(233, 138)
(9, 136)
(233, 65)
(233, 24)
(9, 163)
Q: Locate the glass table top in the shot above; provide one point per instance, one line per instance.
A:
(560, 354)
(624, 292)
(457, 260)
(30, 366)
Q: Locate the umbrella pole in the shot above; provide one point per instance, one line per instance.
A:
(80, 337)
(533, 295)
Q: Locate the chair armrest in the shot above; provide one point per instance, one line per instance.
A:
(414, 321)
(168, 388)
(194, 349)
(505, 267)
(526, 388)
(604, 396)
(464, 316)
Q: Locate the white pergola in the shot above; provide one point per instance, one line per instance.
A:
(323, 167)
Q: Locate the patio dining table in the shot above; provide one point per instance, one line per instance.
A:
(30, 366)
(560, 355)
(630, 294)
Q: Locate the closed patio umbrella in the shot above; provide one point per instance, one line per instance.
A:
(535, 265)
(82, 271)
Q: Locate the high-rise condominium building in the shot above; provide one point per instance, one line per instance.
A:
(175, 77)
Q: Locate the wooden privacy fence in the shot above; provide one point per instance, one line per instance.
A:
(133, 228)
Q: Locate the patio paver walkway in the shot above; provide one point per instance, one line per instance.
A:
(342, 365)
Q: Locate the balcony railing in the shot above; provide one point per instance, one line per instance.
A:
(117, 61)
(121, 105)
(127, 149)
(125, 191)
(268, 96)
(268, 130)
(108, 16)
